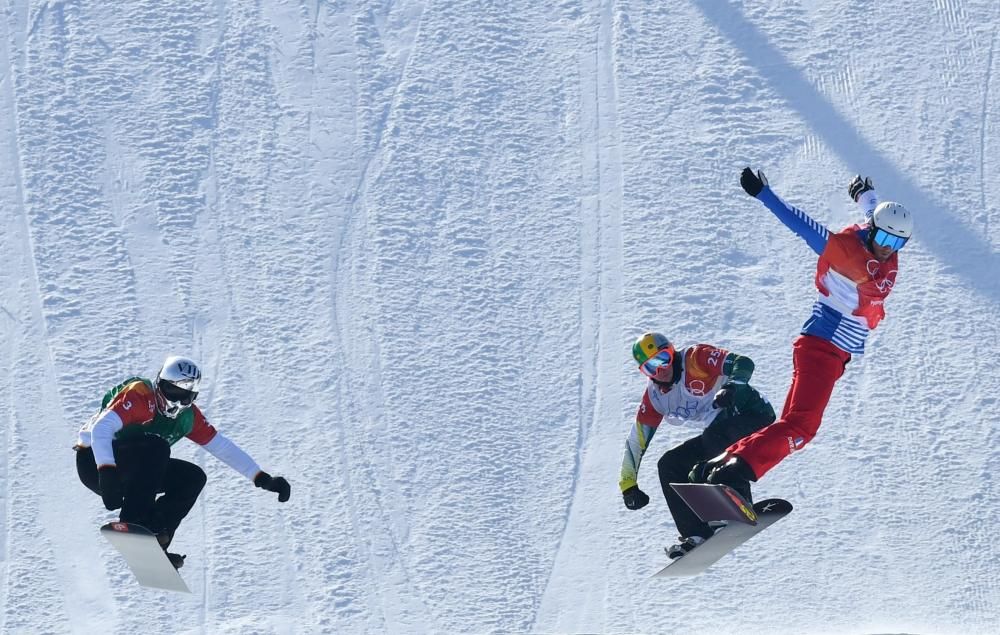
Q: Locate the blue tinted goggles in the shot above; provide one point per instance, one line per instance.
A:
(651, 366)
(883, 238)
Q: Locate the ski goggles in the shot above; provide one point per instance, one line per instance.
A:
(176, 394)
(883, 238)
(651, 366)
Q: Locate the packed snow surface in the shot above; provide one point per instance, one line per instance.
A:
(411, 243)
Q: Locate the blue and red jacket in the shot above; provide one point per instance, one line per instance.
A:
(852, 283)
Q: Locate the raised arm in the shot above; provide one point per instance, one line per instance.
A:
(815, 234)
(862, 192)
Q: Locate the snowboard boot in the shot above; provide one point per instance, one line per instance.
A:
(165, 538)
(734, 472)
(685, 545)
(176, 559)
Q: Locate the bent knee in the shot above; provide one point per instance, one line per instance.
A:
(188, 476)
(671, 469)
(198, 477)
(799, 437)
(804, 425)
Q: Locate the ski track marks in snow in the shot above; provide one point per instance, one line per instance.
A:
(363, 534)
(461, 124)
(11, 325)
(77, 255)
(273, 191)
(601, 335)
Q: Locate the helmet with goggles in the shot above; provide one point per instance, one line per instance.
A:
(654, 353)
(891, 225)
(176, 386)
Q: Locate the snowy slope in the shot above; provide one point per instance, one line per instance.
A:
(411, 243)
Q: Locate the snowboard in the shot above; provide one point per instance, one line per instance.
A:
(736, 522)
(144, 556)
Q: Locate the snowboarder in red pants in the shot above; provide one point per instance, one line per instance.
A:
(855, 273)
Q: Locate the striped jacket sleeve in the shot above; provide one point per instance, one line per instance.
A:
(635, 446)
(815, 234)
(647, 420)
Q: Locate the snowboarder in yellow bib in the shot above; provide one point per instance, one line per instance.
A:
(701, 386)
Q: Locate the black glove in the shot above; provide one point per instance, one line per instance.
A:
(752, 183)
(731, 395)
(857, 187)
(702, 471)
(699, 473)
(276, 484)
(110, 485)
(635, 498)
(725, 398)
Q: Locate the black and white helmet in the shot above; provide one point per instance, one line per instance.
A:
(177, 386)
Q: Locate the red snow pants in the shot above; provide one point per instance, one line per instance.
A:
(817, 365)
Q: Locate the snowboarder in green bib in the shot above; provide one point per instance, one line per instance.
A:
(123, 452)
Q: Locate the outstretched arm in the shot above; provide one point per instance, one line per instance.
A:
(815, 234)
(232, 455)
(862, 191)
(638, 440)
(647, 419)
(217, 444)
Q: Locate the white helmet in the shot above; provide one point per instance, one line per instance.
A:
(893, 218)
(176, 386)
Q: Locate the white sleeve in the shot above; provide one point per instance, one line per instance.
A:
(867, 202)
(231, 454)
(101, 436)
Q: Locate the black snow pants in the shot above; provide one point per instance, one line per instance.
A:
(146, 469)
(676, 463)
